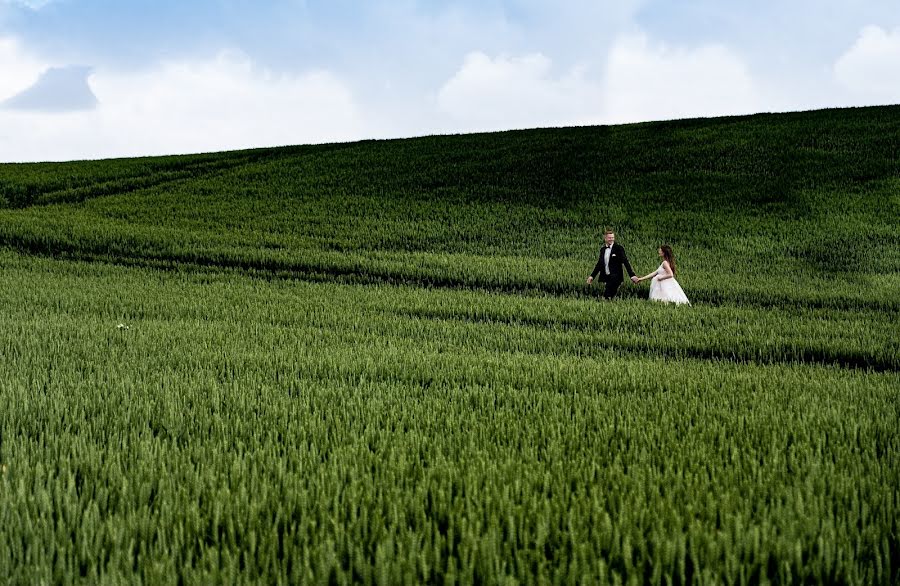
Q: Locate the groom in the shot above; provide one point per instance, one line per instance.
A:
(609, 265)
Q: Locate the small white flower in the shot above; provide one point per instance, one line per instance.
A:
(122, 327)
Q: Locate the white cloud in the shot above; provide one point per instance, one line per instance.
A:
(190, 106)
(20, 69)
(516, 92)
(32, 4)
(59, 89)
(870, 69)
(653, 81)
(642, 80)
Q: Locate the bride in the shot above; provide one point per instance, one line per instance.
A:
(664, 287)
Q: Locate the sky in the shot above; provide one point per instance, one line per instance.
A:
(87, 79)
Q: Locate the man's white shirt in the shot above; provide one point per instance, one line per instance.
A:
(606, 255)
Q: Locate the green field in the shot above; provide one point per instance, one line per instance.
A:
(379, 362)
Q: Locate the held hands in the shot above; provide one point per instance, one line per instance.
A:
(634, 280)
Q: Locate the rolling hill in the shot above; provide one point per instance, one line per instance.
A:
(379, 361)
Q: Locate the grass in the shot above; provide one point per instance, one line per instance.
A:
(378, 362)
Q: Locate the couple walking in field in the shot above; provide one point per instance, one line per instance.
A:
(663, 286)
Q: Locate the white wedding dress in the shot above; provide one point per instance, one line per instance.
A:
(667, 290)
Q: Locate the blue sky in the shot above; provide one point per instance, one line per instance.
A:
(103, 78)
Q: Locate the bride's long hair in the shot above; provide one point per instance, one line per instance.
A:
(669, 256)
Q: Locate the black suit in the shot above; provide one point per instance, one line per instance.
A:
(615, 278)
